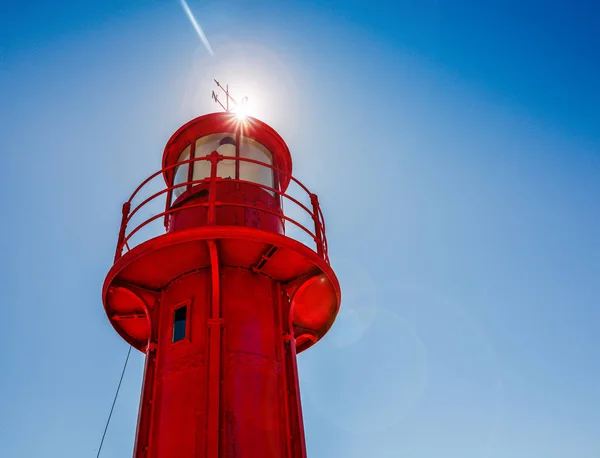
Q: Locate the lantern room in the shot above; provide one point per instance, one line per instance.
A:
(226, 145)
(250, 162)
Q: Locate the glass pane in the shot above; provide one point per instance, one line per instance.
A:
(179, 323)
(227, 147)
(257, 173)
(181, 173)
(224, 144)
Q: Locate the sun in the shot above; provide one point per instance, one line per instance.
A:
(241, 112)
(243, 109)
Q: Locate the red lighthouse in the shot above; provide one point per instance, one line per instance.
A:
(223, 301)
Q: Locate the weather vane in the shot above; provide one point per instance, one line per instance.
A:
(228, 98)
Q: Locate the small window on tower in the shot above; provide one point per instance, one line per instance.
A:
(179, 323)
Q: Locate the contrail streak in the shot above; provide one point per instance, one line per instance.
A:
(199, 31)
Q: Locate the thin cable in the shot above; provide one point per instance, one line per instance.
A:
(114, 401)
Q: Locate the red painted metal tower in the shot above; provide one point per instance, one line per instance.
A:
(222, 302)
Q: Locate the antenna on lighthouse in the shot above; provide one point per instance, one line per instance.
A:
(228, 98)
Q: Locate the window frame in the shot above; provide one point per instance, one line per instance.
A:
(188, 313)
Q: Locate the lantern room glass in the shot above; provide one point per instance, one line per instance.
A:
(224, 144)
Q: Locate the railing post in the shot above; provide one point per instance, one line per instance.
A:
(167, 207)
(212, 190)
(190, 174)
(314, 200)
(125, 213)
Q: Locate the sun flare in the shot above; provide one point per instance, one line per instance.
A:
(244, 109)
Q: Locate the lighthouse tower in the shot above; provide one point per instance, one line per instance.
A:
(222, 301)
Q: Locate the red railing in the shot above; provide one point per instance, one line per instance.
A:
(317, 234)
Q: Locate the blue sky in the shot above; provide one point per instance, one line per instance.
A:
(455, 150)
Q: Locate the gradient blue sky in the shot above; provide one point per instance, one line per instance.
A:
(455, 149)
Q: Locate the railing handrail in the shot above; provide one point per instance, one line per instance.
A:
(217, 204)
(221, 157)
(316, 214)
(229, 180)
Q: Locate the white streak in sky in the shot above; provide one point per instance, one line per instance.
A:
(187, 10)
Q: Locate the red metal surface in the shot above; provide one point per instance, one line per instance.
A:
(252, 207)
(254, 298)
